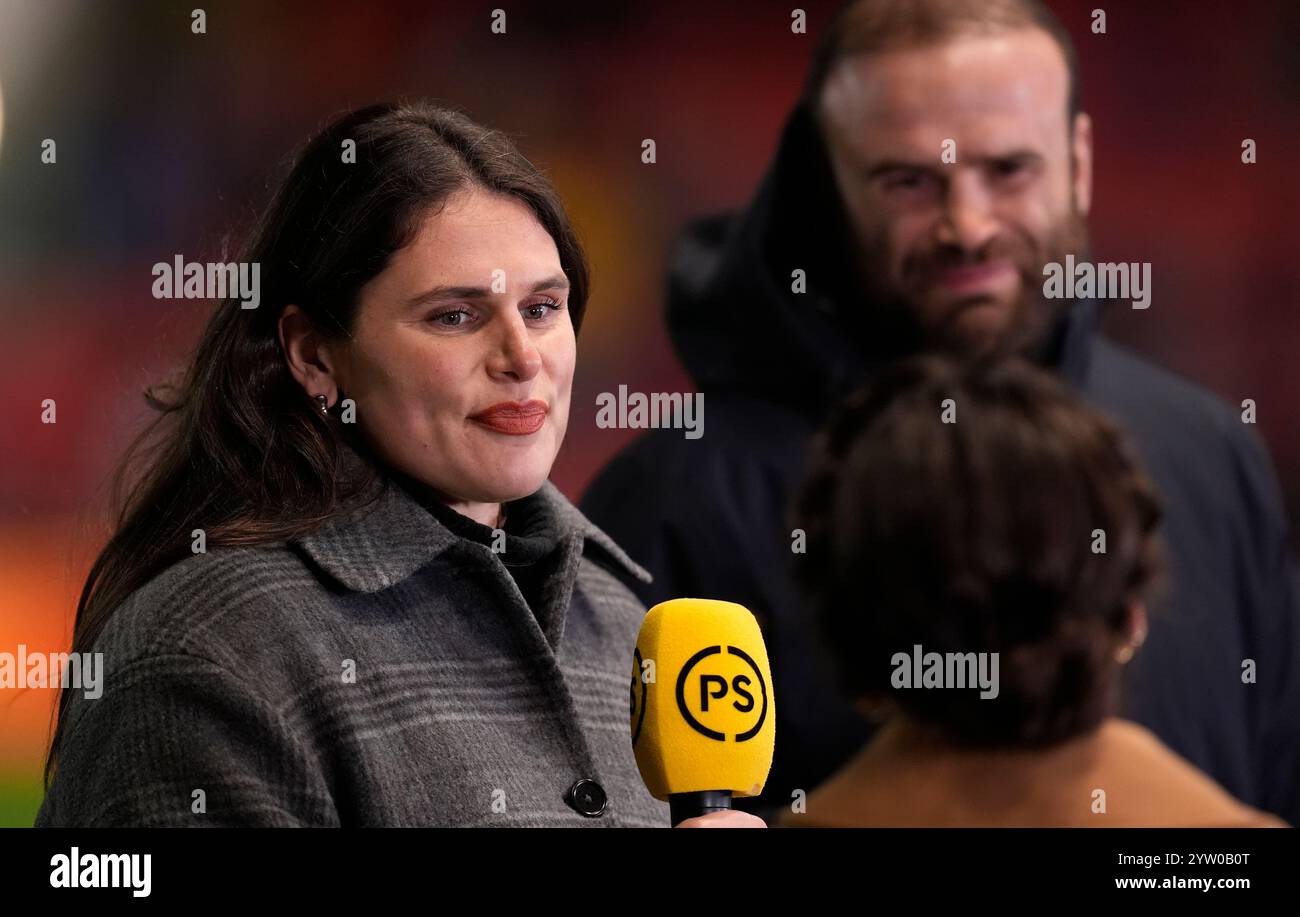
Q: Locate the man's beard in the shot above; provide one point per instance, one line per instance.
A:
(891, 312)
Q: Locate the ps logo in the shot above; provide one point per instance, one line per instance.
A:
(722, 692)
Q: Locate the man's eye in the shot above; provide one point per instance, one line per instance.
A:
(1013, 168)
(906, 181)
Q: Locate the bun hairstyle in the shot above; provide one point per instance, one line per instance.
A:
(978, 536)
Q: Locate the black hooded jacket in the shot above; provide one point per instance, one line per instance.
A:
(708, 517)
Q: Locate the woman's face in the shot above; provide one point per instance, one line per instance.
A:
(461, 359)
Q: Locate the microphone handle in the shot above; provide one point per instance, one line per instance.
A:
(682, 806)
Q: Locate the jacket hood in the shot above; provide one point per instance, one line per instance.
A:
(738, 327)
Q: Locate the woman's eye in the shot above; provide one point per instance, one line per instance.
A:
(452, 319)
(539, 310)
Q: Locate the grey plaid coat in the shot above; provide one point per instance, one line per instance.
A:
(227, 697)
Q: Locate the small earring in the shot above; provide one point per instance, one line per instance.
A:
(323, 402)
(1128, 650)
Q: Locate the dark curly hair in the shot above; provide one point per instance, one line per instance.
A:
(978, 536)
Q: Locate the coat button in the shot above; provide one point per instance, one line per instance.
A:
(587, 797)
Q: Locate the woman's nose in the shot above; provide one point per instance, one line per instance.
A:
(516, 356)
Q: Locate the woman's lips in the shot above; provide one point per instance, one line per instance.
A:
(514, 418)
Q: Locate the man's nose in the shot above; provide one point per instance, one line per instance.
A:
(516, 356)
(968, 221)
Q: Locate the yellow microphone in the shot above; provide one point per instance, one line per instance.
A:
(703, 720)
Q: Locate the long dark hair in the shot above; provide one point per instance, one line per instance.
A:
(238, 449)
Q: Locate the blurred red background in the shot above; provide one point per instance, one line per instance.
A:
(168, 142)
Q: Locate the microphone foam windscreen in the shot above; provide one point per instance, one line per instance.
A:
(702, 704)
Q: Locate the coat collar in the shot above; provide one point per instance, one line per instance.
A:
(381, 542)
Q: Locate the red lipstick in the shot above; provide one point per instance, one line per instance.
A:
(513, 418)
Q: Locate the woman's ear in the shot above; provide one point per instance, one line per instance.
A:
(1136, 625)
(1135, 631)
(307, 354)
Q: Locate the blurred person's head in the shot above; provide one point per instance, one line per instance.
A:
(979, 536)
(413, 262)
(956, 248)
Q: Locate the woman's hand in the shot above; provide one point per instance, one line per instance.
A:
(730, 818)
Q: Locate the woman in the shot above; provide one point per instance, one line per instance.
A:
(344, 592)
(1009, 523)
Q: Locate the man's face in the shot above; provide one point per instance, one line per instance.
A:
(961, 245)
